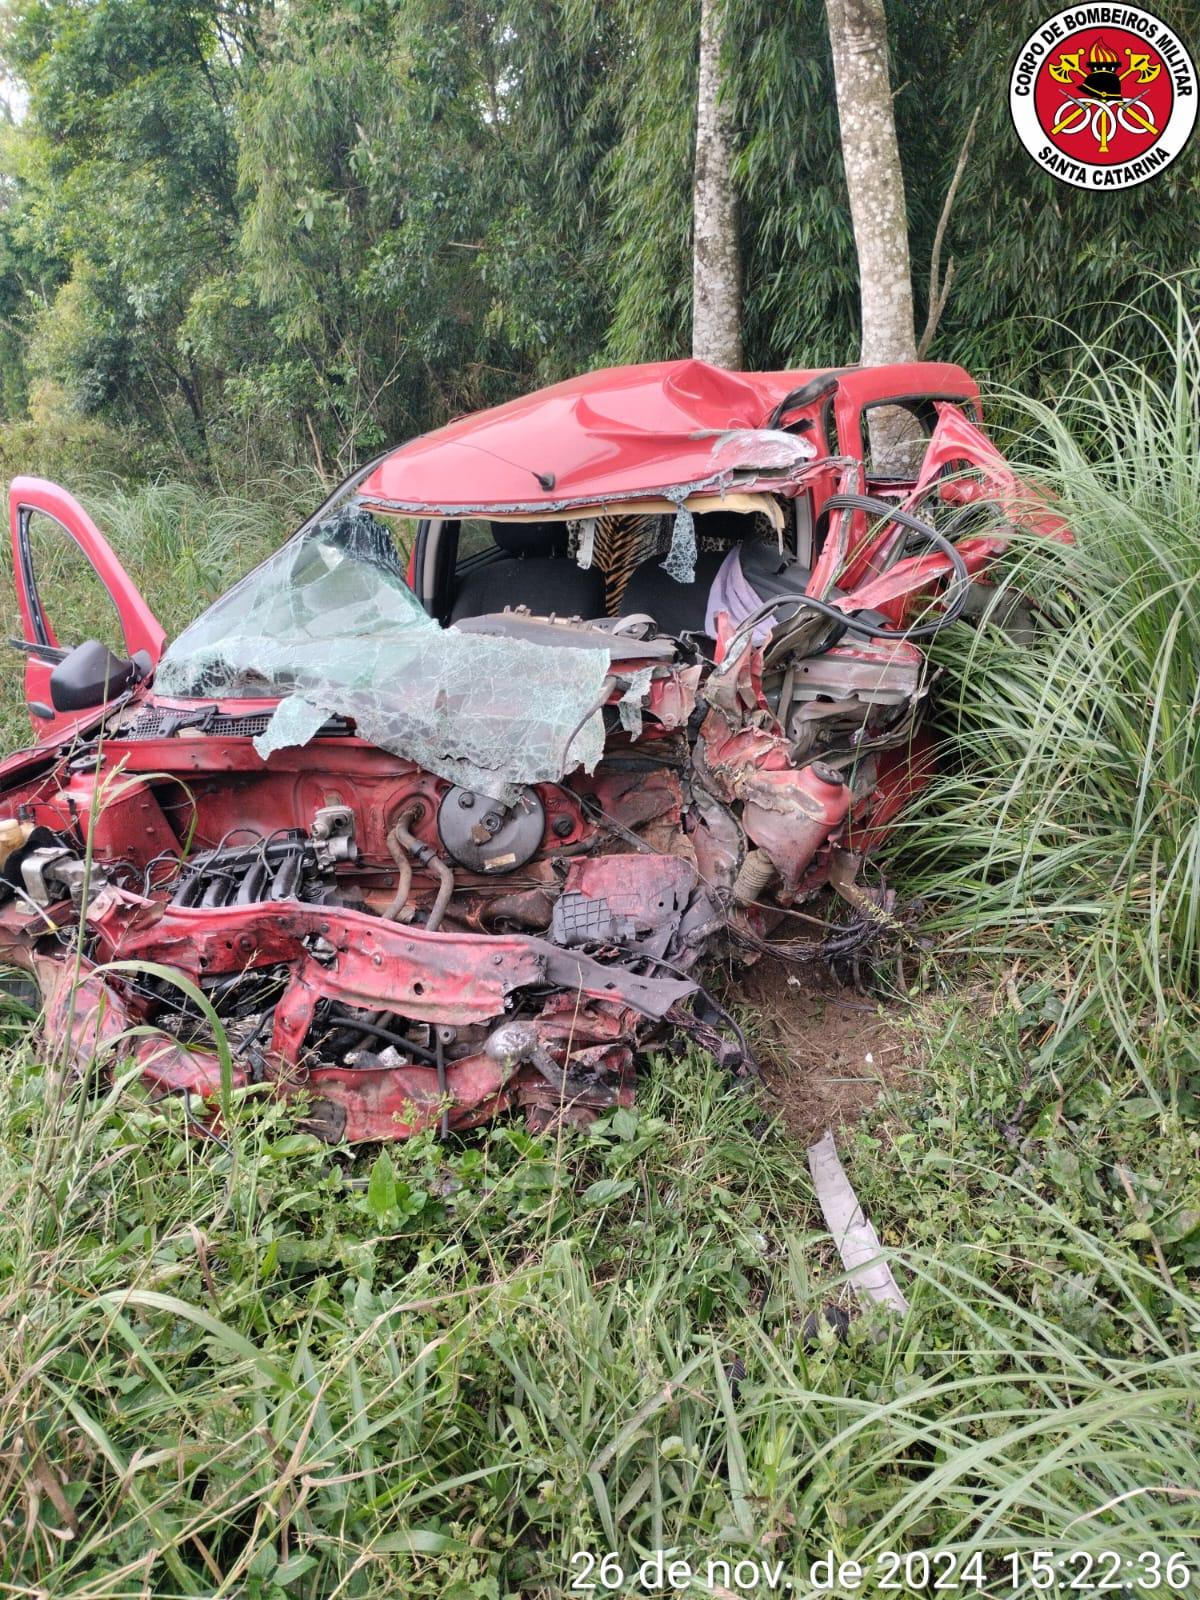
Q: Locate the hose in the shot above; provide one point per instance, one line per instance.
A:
(427, 858)
(406, 1045)
(873, 506)
(755, 873)
(847, 620)
(404, 876)
(362, 1026)
(445, 890)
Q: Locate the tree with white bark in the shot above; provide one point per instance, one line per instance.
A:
(875, 183)
(874, 178)
(716, 245)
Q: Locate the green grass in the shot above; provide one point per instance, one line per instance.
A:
(265, 1372)
(274, 1370)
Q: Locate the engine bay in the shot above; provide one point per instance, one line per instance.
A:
(584, 905)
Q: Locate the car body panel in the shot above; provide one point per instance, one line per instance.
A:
(625, 433)
(140, 626)
(396, 950)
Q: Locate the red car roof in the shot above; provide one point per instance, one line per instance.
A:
(622, 432)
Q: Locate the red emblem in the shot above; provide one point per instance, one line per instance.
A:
(1105, 97)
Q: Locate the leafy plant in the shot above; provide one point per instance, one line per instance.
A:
(1068, 813)
(447, 1368)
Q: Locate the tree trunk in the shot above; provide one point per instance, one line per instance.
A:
(717, 256)
(871, 156)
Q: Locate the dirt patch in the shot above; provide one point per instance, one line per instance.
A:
(827, 1052)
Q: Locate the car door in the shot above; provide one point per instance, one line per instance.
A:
(70, 587)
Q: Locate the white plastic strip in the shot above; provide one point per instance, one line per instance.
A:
(587, 541)
(857, 1242)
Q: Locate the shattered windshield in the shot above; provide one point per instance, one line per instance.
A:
(329, 625)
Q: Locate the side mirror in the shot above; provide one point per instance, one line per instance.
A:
(90, 675)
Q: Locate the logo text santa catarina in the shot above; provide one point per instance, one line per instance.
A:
(1103, 96)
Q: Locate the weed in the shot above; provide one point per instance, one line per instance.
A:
(1067, 814)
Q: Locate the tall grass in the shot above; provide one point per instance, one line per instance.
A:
(446, 1372)
(1066, 821)
(184, 546)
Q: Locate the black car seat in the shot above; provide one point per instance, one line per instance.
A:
(773, 577)
(770, 574)
(535, 571)
(680, 607)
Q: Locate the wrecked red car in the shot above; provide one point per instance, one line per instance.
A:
(441, 809)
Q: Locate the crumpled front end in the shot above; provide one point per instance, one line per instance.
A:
(396, 949)
(413, 876)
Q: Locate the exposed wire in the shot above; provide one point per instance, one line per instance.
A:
(420, 1051)
(851, 622)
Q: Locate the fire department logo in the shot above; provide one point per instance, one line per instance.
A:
(1103, 96)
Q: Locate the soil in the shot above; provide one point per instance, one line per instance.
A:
(827, 1051)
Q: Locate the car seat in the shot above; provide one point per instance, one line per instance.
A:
(680, 607)
(535, 571)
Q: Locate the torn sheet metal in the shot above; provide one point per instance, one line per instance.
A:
(790, 812)
(763, 449)
(673, 428)
(329, 624)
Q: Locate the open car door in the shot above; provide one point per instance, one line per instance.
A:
(72, 591)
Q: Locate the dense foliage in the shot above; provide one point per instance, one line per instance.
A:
(248, 234)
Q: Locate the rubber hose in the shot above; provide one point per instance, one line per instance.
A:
(404, 876)
(446, 889)
(377, 1031)
(436, 865)
(755, 873)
